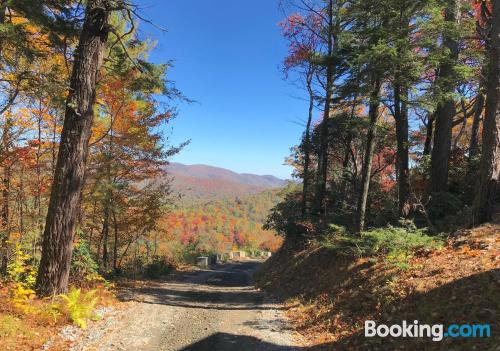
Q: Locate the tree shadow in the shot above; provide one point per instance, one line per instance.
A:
(232, 342)
(470, 300)
(217, 289)
(474, 299)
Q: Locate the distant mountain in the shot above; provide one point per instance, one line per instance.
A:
(199, 183)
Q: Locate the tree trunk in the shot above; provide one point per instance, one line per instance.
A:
(446, 109)
(474, 143)
(5, 215)
(322, 174)
(368, 159)
(57, 246)
(403, 167)
(5, 220)
(429, 131)
(115, 243)
(489, 173)
(307, 145)
(105, 234)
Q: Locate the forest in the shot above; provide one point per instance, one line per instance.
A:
(397, 214)
(396, 180)
(220, 226)
(407, 97)
(95, 149)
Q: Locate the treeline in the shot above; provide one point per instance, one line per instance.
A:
(79, 136)
(220, 226)
(408, 93)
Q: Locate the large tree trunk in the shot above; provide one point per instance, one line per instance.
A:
(446, 109)
(489, 174)
(368, 159)
(403, 167)
(57, 246)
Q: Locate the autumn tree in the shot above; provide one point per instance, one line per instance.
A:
(69, 174)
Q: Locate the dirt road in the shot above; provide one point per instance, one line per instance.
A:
(215, 309)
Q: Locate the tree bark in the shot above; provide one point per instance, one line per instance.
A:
(115, 243)
(368, 159)
(5, 212)
(474, 143)
(429, 131)
(105, 234)
(322, 174)
(57, 246)
(307, 144)
(489, 173)
(403, 167)
(446, 109)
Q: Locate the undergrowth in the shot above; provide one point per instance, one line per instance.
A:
(78, 306)
(396, 244)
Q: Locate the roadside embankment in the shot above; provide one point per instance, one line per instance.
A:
(331, 295)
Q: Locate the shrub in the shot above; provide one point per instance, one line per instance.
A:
(396, 244)
(444, 204)
(84, 270)
(23, 274)
(159, 267)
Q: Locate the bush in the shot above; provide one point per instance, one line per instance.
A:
(84, 270)
(159, 267)
(396, 244)
(23, 274)
(444, 204)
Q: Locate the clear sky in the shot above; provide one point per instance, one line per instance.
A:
(226, 56)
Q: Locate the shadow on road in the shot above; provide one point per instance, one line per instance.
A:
(227, 287)
(232, 342)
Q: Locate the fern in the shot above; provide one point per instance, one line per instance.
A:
(80, 306)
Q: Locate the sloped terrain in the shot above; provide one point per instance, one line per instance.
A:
(330, 295)
(201, 183)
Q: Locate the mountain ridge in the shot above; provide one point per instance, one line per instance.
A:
(199, 183)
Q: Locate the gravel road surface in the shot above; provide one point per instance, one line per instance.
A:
(206, 310)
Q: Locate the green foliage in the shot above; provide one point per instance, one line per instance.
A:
(444, 204)
(79, 306)
(84, 270)
(159, 267)
(396, 244)
(285, 216)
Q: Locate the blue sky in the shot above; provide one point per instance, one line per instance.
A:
(226, 56)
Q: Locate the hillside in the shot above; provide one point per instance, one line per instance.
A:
(201, 183)
(223, 224)
(330, 294)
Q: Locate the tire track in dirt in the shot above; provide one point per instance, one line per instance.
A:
(214, 309)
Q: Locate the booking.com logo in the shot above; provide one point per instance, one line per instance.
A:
(435, 331)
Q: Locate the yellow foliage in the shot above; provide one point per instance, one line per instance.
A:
(78, 306)
(24, 275)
